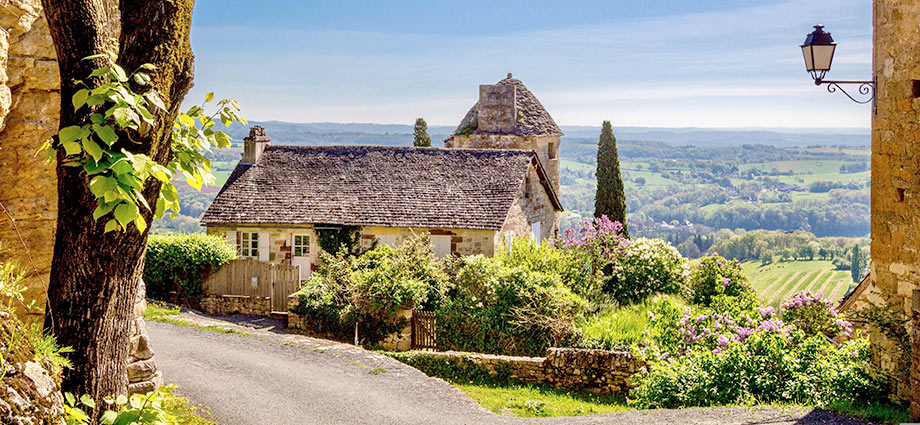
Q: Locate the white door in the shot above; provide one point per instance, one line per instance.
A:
(536, 232)
(441, 245)
(300, 254)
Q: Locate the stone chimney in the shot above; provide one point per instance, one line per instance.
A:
(255, 144)
(497, 109)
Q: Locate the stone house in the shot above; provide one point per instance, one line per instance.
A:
(471, 201)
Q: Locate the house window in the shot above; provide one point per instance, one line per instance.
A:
(249, 244)
(301, 246)
(552, 150)
(441, 245)
(509, 240)
(535, 232)
(527, 187)
(388, 240)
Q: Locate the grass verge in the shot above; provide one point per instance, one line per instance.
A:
(538, 401)
(164, 313)
(183, 412)
(876, 412)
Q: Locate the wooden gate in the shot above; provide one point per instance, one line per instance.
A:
(248, 277)
(423, 330)
(285, 281)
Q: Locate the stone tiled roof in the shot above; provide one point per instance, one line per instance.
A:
(533, 121)
(375, 186)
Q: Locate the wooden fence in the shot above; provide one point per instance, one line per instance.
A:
(254, 278)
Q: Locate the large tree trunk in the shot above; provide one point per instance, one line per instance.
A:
(94, 275)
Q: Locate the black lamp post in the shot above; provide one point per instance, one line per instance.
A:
(818, 51)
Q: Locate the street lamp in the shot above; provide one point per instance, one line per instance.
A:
(818, 52)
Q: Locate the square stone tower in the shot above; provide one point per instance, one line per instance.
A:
(508, 116)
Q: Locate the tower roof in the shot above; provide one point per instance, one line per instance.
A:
(531, 119)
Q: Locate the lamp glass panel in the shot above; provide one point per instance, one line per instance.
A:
(809, 58)
(823, 55)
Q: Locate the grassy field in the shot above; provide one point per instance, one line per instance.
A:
(779, 280)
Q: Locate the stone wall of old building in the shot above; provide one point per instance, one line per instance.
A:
(29, 103)
(280, 239)
(895, 167)
(531, 205)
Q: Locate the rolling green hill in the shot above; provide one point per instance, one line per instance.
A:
(777, 281)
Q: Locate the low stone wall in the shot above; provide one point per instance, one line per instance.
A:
(597, 371)
(222, 305)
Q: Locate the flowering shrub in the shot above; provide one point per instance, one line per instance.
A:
(737, 351)
(646, 267)
(717, 276)
(769, 366)
(600, 241)
(815, 315)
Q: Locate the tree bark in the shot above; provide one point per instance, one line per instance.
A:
(94, 275)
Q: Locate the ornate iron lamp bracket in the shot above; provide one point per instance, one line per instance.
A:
(865, 89)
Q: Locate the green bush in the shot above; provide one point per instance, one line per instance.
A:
(717, 276)
(370, 290)
(181, 263)
(491, 307)
(457, 369)
(768, 367)
(571, 266)
(646, 267)
(737, 351)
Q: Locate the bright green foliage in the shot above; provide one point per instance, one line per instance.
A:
(571, 265)
(160, 407)
(541, 401)
(767, 367)
(647, 267)
(118, 114)
(370, 290)
(610, 198)
(181, 263)
(717, 276)
(498, 305)
(11, 287)
(420, 132)
(736, 351)
(621, 326)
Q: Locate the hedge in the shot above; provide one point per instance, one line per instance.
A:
(176, 265)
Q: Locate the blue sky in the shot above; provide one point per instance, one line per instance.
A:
(666, 63)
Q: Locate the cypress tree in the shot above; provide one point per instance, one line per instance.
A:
(421, 134)
(610, 198)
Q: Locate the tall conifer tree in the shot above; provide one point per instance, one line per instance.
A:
(421, 134)
(610, 198)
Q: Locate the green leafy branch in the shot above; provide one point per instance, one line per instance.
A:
(116, 176)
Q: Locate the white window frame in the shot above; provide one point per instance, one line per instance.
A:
(509, 240)
(249, 244)
(536, 231)
(440, 244)
(303, 246)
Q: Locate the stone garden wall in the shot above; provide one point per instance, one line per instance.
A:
(597, 371)
(224, 305)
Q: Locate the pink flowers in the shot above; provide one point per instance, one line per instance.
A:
(725, 282)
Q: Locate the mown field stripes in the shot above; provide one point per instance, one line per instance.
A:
(779, 284)
(787, 287)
